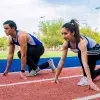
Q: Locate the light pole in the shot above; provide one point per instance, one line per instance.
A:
(41, 19)
(98, 8)
(83, 23)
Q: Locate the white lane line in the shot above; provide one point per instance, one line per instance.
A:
(36, 81)
(89, 97)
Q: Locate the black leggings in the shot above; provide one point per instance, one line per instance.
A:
(33, 56)
(92, 63)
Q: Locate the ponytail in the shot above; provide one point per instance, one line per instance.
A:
(73, 26)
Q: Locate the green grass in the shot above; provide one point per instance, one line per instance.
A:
(56, 54)
(4, 54)
(47, 54)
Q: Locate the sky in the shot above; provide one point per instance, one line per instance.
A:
(27, 13)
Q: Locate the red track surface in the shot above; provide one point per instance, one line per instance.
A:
(45, 89)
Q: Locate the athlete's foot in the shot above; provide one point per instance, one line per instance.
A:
(52, 66)
(83, 81)
(32, 73)
(38, 70)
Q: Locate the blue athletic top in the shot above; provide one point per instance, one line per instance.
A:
(90, 44)
(33, 41)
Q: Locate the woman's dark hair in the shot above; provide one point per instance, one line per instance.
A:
(73, 26)
(11, 24)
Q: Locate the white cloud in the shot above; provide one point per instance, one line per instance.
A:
(27, 13)
(13, 2)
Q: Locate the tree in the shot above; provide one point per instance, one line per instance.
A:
(51, 35)
(3, 43)
(87, 31)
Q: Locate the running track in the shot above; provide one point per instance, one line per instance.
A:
(41, 87)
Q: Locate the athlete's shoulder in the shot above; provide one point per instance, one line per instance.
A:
(82, 44)
(22, 34)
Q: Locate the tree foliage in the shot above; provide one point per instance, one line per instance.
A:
(3, 43)
(51, 35)
(87, 31)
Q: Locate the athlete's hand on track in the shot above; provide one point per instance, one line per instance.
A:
(94, 87)
(5, 73)
(56, 81)
(23, 76)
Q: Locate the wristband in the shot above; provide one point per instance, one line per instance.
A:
(23, 71)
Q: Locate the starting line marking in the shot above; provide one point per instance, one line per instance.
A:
(35, 81)
(89, 97)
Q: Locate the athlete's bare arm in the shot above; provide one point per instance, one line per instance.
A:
(22, 39)
(83, 47)
(10, 56)
(62, 60)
